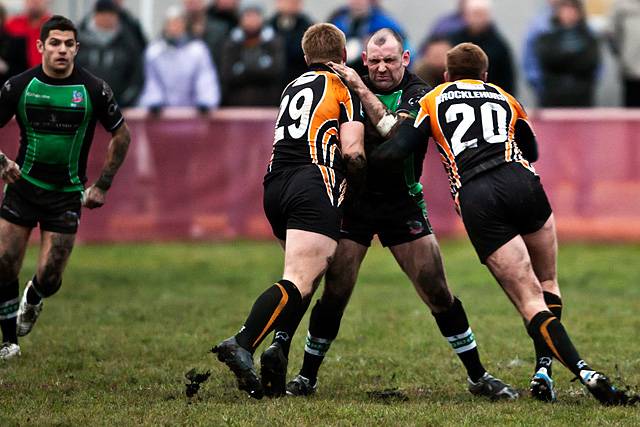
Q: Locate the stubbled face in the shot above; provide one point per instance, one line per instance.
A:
(386, 63)
(58, 51)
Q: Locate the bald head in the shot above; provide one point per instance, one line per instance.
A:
(385, 36)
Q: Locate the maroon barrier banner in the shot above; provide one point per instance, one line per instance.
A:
(194, 177)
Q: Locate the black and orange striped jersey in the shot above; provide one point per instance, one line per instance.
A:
(312, 108)
(474, 126)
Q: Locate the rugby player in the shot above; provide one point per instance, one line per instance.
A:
(318, 139)
(392, 206)
(487, 146)
(57, 106)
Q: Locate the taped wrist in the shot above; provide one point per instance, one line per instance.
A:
(386, 124)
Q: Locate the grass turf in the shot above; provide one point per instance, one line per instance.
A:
(113, 346)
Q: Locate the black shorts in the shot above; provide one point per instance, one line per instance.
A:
(395, 221)
(27, 205)
(500, 204)
(305, 198)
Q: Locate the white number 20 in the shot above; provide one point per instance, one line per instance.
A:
(489, 133)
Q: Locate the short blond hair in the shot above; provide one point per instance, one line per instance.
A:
(467, 61)
(323, 43)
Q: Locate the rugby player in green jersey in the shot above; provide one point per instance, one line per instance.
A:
(392, 206)
(56, 106)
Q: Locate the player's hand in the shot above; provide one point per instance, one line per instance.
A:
(94, 197)
(10, 171)
(349, 75)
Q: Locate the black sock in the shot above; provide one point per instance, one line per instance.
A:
(280, 300)
(546, 329)
(9, 303)
(324, 325)
(285, 329)
(544, 356)
(454, 326)
(33, 297)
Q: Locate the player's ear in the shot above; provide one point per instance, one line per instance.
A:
(306, 60)
(344, 55)
(485, 76)
(364, 58)
(406, 58)
(446, 76)
(40, 46)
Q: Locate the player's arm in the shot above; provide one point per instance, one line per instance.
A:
(94, 196)
(407, 139)
(386, 121)
(352, 147)
(526, 140)
(9, 170)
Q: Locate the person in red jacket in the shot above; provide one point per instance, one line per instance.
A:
(27, 25)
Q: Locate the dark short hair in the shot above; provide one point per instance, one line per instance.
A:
(466, 61)
(57, 22)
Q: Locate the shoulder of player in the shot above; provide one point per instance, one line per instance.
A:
(512, 99)
(96, 86)
(20, 81)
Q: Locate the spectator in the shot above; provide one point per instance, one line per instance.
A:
(27, 26)
(110, 51)
(540, 25)
(448, 24)
(290, 23)
(252, 62)
(481, 30)
(625, 41)
(12, 58)
(126, 20)
(430, 66)
(178, 69)
(222, 17)
(569, 58)
(358, 20)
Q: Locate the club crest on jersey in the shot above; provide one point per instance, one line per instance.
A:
(77, 97)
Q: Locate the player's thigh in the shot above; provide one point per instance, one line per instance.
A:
(342, 272)
(543, 250)
(306, 257)
(13, 245)
(511, 266)
(55, 250)
(421, 260)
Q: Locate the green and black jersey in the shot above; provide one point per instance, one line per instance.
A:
(57, 119)
(403, 179)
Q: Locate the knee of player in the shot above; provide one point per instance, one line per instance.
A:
(48, 282)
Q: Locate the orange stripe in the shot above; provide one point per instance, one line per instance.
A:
(547, 339)
(276, 313)
(554, 305)
(325, 176)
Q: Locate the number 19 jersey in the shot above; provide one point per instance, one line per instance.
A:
(312, 108)
(473, 124)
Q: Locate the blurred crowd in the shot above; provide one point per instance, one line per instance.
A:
(214, 53)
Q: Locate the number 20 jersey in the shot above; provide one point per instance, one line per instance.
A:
(312, 108)
(473, 124)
